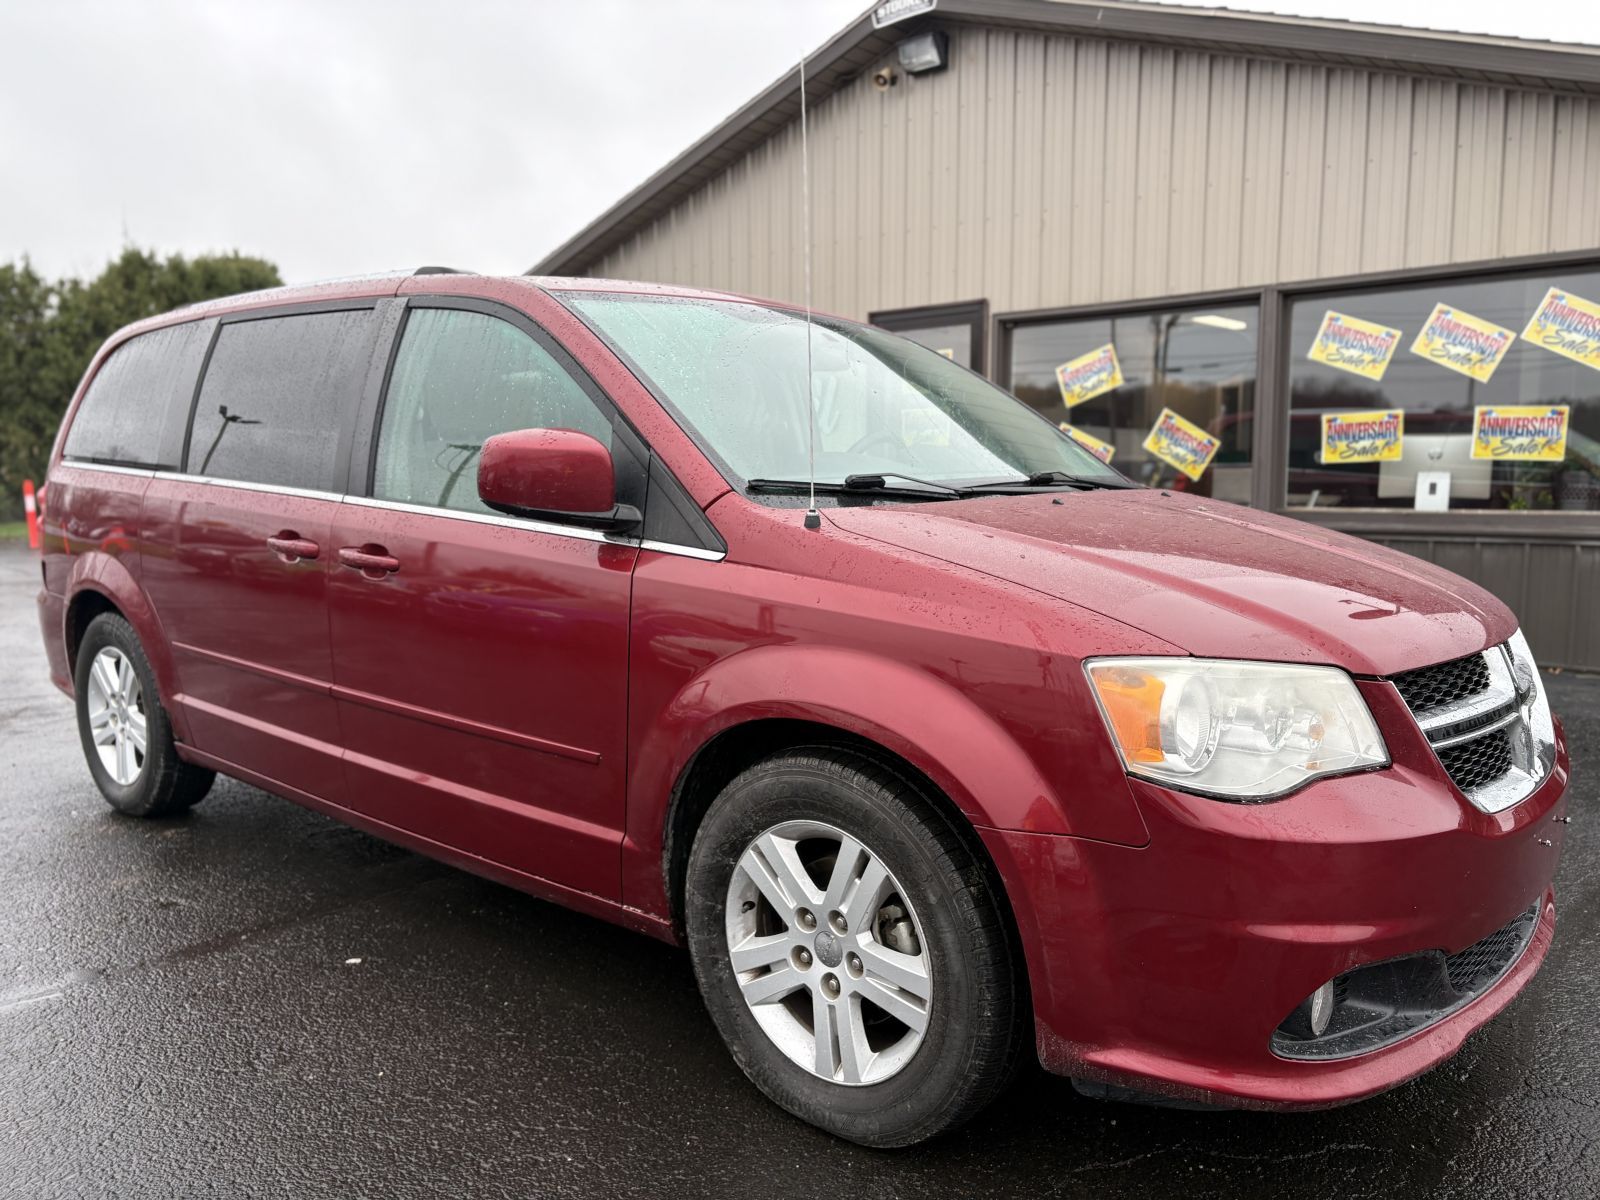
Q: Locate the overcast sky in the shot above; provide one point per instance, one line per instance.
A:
(338, 137)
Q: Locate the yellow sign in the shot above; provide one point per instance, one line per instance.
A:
(1354, 345)
(1101, 450)
(1089, 375)
(1462, 342)
(1181, 444)
(1358, 437)
(1567, 324)
(1520, 432)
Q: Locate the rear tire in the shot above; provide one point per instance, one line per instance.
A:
(126, 734)
(817, 940)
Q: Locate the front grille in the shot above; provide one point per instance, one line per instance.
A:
(1382, 1003)
(1446, 683)
(1478, 762)
(1472, 970)
(1463, 706)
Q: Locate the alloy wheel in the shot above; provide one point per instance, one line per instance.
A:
(828, 952)
(116, 715)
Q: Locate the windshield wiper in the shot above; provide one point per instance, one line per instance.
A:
(858, 485)
(1053, 479)
(878, 480)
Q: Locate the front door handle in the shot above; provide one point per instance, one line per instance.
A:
(372, 561)
(291, 547)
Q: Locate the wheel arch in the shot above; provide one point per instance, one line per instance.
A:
(733, 751)
(101, 583)
(81, 610)
(737, 748)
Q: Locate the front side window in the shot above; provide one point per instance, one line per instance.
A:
(460, 378)
(1467, 393)
(1172, 402)
(735, 376)
(134, 411)
(275, 396)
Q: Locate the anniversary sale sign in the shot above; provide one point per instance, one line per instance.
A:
(1354, 345)
(1089, 375)
(1462, 342)
(1357, 437)
(1181, 444)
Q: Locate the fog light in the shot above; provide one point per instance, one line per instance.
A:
(1319, 1009)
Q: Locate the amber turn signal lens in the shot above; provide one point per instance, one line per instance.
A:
(1132, 702)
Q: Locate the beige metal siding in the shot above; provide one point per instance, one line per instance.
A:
(1044, 170)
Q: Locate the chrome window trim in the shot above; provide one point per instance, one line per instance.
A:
(531, 525)
(250, 485)
(525, 523)
(78, 464)
(528, 523)
(699, 552)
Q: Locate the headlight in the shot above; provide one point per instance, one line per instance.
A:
(1236, 730)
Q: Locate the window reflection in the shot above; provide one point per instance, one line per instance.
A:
(1199, 363)
(274, 395)
(1436, 467)
(459, 379)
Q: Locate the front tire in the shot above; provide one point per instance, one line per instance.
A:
(126, 734)
(851, 949)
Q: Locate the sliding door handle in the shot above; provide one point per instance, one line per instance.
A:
(291, 547)
(372, 561)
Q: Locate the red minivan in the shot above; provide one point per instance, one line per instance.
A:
(989, 748)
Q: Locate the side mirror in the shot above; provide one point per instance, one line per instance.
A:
(552, 472)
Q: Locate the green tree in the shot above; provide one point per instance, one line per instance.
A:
(49, 331)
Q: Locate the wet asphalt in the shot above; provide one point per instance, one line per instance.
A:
(256, 1001)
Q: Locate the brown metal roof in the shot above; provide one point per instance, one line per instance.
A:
(1472, 58)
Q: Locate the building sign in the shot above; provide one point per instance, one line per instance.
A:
(1101, 450)
(1462, 342)
(1520, 432)
(1361, 437)
(1181, 444)
(1354, 345)
(1568, 325)
(1089, 375)
(892, 11)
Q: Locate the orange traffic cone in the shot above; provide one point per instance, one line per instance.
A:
(32, 509)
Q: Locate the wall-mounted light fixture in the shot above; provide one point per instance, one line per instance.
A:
(923, 52)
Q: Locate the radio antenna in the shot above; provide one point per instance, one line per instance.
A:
(813, 517)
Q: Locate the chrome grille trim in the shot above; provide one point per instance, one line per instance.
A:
(1476, 732)
(1508, 706)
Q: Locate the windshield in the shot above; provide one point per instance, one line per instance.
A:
(734, 374)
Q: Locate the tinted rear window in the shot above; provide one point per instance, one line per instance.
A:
(136, 406)
(275, 395)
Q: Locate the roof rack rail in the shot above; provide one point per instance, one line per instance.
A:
(440, 271)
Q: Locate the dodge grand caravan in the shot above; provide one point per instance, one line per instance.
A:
(996, 750)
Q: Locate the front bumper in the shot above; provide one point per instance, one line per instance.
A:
(1167, 968)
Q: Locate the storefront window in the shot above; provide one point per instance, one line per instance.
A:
(1472, 393)
(1172, 401)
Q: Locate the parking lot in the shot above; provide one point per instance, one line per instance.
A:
(256, 1001)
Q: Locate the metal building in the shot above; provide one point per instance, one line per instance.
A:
(1359, 265)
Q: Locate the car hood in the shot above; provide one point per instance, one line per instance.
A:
(1206, 576)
